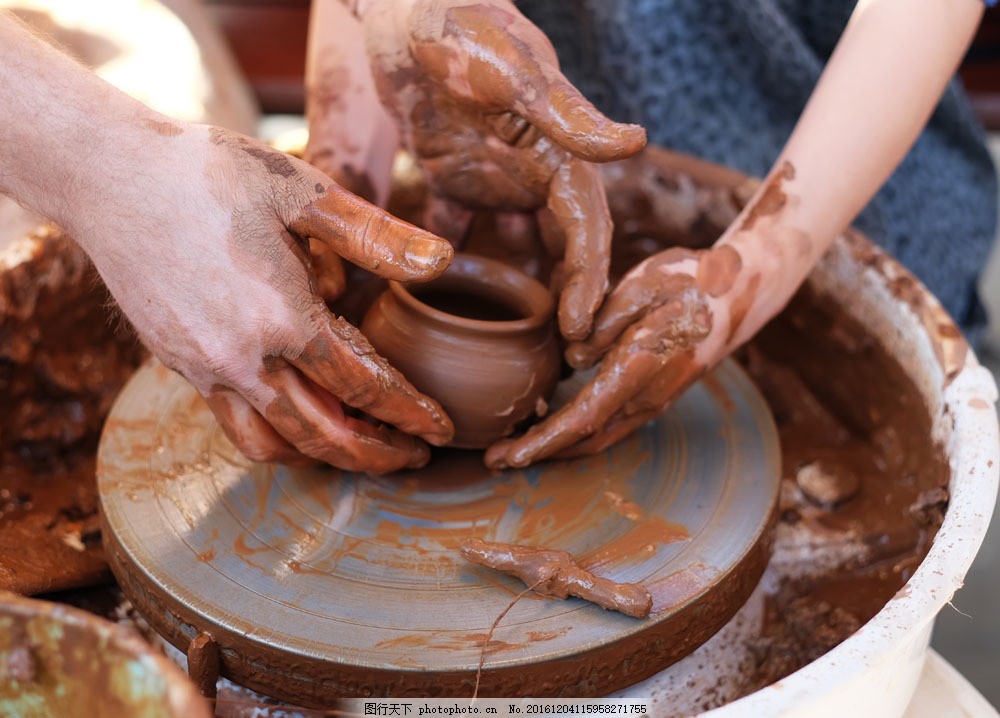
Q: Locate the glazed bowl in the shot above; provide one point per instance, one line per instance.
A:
(480, 340)
(58, 661)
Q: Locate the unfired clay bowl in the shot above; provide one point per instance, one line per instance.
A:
(57, 661)
(480, 340)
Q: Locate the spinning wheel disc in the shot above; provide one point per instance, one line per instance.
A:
(319, 584)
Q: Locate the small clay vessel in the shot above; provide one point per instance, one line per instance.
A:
(480, 340)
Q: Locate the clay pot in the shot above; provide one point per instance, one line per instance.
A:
(480, 340)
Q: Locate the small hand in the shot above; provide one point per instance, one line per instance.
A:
(478, 94)
(672, 316)
(208, 257)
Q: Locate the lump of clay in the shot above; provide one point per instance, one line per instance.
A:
(555, 573)
(63, 357)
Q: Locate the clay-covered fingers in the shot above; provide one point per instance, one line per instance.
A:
(622, 375)
(371, 237)
(617, 428)
(650, 364)
(312, 420)
(674, 376)
(579, 210)
(342, 361)
(552, 104)
(248, 430)
(534, 88)
(642, 291)
(512, 67)
(327, 271)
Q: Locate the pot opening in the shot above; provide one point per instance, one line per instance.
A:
(467, 302)
(481, 294)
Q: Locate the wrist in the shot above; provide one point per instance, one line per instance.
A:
(118, 171)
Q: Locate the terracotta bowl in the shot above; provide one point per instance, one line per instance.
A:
(58, 661)
(480, 340)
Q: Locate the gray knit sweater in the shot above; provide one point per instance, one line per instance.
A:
(727, 79)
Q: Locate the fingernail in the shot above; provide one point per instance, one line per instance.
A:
(625, 139)
(638, 135)
(440, 438)
(496, 455)
(421, 456)
(579, 356)
(428, 255)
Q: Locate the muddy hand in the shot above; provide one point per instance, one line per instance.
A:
(221, 291)
(673, 316)
(657, 332)
(481, 103)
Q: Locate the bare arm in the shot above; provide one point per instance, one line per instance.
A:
(680, 312)
(199, 234)
(883, 81)
(351, 136)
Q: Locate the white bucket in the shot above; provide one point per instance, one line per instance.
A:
(875, 671)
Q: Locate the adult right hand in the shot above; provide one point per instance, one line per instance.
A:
(208, 258)
(481, 103)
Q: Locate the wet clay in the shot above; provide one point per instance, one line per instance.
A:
(859, 469)
(203, 664)
(64, 355)
(480, 340)
(555, 573)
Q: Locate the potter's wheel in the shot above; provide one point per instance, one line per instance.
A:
(319, 584)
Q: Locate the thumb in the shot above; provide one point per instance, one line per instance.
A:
(512, 64)
(372, 238)
(564, 115)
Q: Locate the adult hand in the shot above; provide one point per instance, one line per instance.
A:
(481, 103)
(216, 280)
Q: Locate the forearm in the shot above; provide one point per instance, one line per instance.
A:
(58, 125)
(881, 85)
(351, 136)
(355, 7)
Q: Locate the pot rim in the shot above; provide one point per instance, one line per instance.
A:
(530, 291)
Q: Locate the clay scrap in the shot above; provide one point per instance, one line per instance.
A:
(555, 573)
